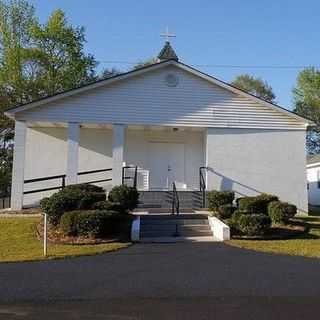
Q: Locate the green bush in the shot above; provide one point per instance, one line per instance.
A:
(233, 221)
(68, 223)
(94, 223)
(89, 199)
(281, 212)
(253, 224)
(110, 206)
(125, 196)
(71, 198)
(219, 198)
(258, 204)
(225, 211)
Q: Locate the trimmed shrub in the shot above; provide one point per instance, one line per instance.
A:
(225, 211)
(71, 198)
(94, 223)
(219, 198)
(85, 187)
(258, 204)
(110, 206)
(68, 223)
(233, 221)
(253, 224)
(125, 196)
(281, 212)
(89, 199)
(267, 197)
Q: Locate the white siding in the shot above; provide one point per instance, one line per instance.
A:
(146, 99)
(251, 161)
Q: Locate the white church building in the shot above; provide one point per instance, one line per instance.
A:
(168, 120)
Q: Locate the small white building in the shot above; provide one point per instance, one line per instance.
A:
(313, 177)
(168, 119)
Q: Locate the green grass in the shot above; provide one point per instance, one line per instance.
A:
(18, 242)
(307, 244)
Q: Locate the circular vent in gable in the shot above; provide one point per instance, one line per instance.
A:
(171, 80)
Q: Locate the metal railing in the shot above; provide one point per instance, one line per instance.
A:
(63, 180)
(126, 177)
(202, 185)
(175, 200)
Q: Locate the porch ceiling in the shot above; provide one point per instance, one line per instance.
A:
(41, 124)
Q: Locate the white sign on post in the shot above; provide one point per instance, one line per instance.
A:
(44, 234)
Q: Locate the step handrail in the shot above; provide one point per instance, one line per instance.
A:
(202, 185)
(134, 178)
(175, 200)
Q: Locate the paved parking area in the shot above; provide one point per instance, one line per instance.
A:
(163, 281)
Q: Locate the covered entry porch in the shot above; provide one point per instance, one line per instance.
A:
(49, 155)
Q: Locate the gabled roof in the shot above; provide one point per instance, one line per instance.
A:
(167, 53)
(13, 110)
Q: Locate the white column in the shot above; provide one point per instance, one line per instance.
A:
(18, 165)
(206, 155)
(73, 153)
(118, 136)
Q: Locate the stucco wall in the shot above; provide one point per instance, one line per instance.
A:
(46, 155)
(136, 150)
(251, 161)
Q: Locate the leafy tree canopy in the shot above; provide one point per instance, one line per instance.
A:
(255, 86)
(306, 97)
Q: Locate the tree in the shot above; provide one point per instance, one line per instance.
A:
(306, 96)
(35, 61)
(58, 49)
(145, 63)
(255, 86)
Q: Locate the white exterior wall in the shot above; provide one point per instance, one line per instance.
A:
(251, 161)
(136, 152)
(46, 155)
(146, 99)
(313, 177)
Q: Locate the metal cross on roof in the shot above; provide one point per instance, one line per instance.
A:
(167, 34)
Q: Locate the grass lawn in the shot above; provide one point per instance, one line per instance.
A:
(18, 242)
(307, 245)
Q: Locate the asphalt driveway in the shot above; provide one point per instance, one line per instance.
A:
(163, 281)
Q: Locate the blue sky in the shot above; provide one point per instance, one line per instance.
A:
(245, 33)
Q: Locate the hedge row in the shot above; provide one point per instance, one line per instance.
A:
(88, 197)
(253, 215)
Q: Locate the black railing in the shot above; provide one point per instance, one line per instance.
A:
(175, 200)
(175, 207)
(63, 180)
(203, 185)
(126, 177)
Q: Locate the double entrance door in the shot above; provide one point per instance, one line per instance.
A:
(166, 165)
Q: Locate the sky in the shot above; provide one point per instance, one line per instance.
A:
(263, 37)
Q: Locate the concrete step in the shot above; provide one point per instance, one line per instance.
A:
(178, 239)
(153, 222)
(170, 227)
(181, 233)
(163, 199)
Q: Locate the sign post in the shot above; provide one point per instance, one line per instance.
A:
(45, 234)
